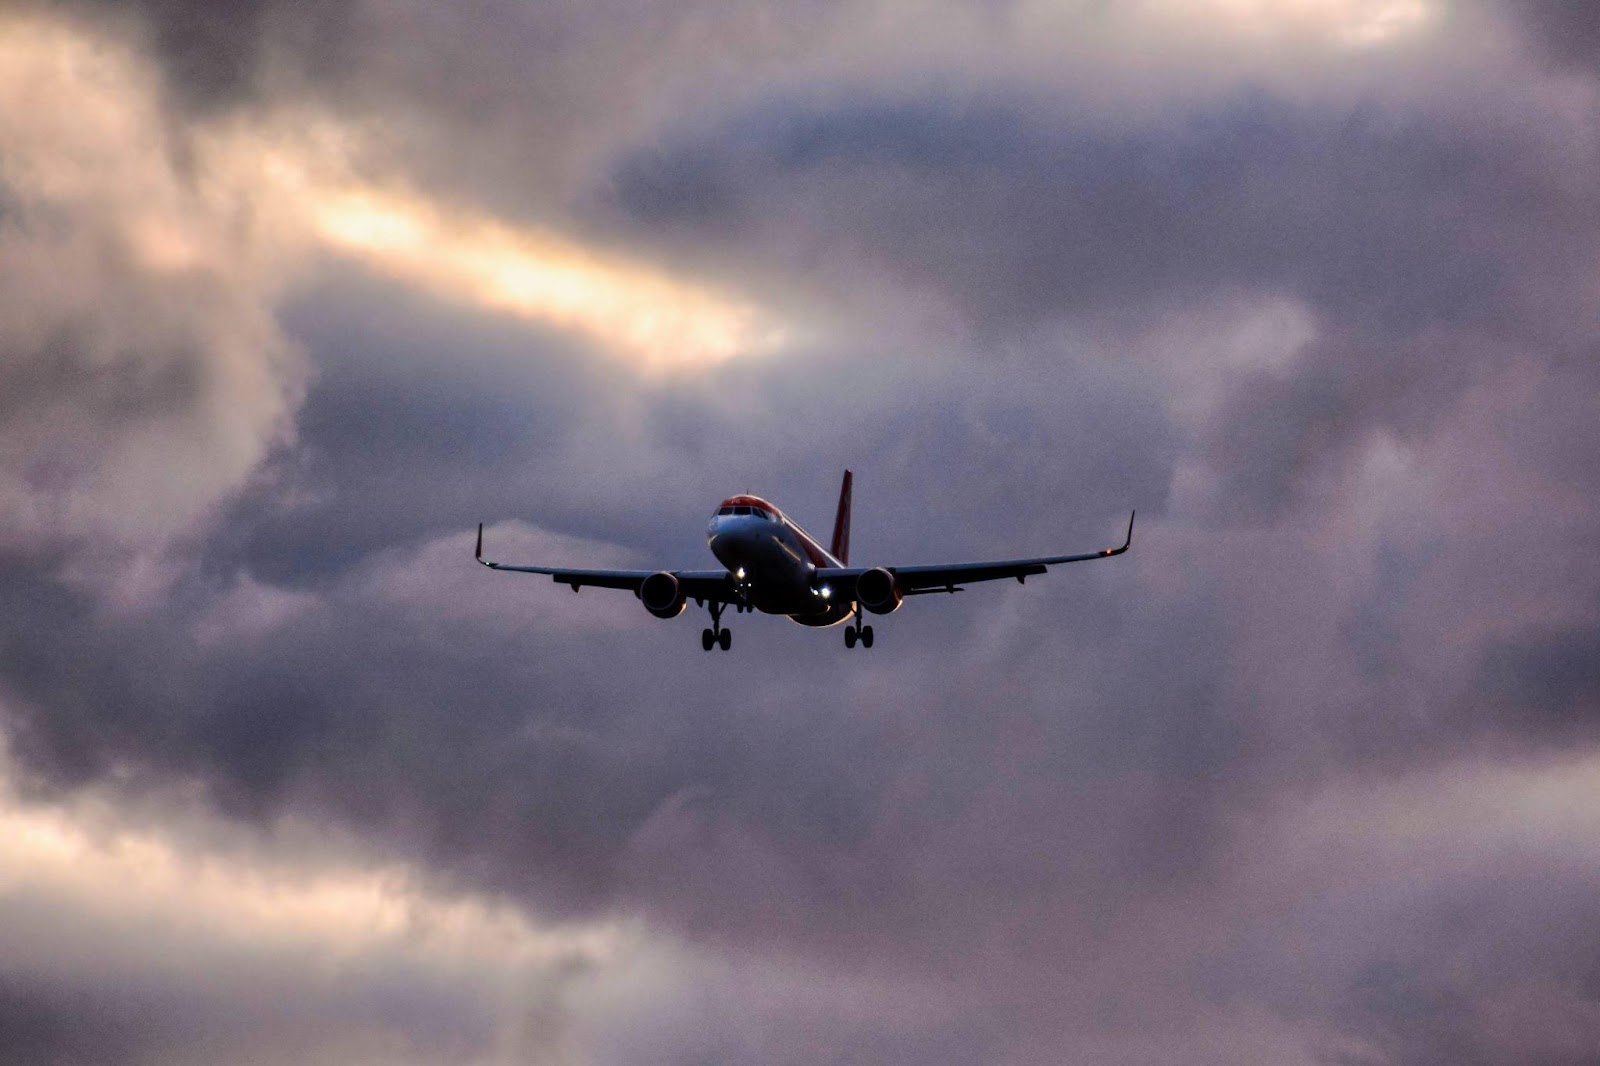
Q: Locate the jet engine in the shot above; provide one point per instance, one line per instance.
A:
(661, 595)
(877, 591)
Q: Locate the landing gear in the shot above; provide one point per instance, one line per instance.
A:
(858, 632)
(716, 636)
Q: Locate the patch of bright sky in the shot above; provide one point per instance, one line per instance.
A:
(1352, 22)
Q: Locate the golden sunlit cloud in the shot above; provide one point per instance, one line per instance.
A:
(662, 322)
(88, 861)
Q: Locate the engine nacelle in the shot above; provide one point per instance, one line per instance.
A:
(877, 591)
(661, 595)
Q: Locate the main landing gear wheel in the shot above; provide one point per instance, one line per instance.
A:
(866, 637)
(716, 636)
(850, 637)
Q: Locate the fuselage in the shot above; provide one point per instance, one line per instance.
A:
(774, 561)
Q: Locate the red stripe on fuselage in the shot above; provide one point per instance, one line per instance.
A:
(813, 550)
(747, 501)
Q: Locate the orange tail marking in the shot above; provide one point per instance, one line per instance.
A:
(840, 548)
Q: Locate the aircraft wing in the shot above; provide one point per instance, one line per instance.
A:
(947, 577)
(696, 584)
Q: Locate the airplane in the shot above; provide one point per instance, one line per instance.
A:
(772, 565)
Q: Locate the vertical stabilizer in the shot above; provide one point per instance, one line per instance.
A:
(840, 548)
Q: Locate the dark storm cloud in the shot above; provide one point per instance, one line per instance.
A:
(375, 724)
(1414, 239)
(46, 1024)
(213, 51)
(1554, 678)
(421, 423)
(1079, 817)
(1021, 208)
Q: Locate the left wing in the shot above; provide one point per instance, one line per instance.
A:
(947, 577)
(716, 585)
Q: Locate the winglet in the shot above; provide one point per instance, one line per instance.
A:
(478, 552)
(1126, 544)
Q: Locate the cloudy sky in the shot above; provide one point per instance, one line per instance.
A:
(295, 292)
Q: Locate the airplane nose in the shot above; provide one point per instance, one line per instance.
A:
(726, 532)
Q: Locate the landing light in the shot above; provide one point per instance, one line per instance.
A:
(826, 592)
(739, 573)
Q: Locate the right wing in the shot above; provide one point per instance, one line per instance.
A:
(698, 585)
(948, 577)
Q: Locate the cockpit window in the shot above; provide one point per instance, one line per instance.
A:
(724, 510)
(741, 510)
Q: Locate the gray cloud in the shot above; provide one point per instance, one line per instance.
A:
(1568, 34)
(1551, 677)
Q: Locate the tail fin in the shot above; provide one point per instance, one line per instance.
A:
(840, 549)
